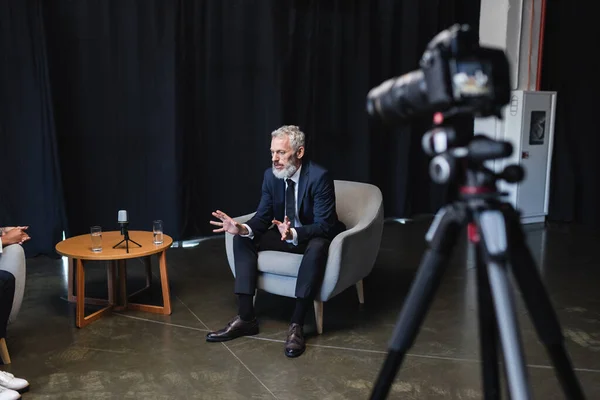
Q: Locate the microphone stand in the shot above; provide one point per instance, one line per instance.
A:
(126, 239)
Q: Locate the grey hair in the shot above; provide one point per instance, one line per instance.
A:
(293, 132)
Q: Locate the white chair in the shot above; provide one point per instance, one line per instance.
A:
(352, 253)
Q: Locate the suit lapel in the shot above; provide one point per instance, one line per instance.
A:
(302, 184)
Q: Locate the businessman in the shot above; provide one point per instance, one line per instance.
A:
(296, 214)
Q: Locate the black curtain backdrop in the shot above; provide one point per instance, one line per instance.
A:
(573, 73)
(165, 108)
(31, 192)
(112, 65)
(246, 69)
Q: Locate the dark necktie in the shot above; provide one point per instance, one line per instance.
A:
(290, 202)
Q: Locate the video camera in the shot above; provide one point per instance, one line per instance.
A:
(457, 76)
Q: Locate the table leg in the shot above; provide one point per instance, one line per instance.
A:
(164, 283)
(71, 297)
(80, 319)
(122, 267)
(112, 289)
(80, 309)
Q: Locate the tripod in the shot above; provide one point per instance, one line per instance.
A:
(126, 239)
(494, 229)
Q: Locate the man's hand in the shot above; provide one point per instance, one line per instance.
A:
(284, 228)
(13, 235)
(228, 224)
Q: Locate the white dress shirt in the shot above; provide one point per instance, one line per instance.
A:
(294, 240)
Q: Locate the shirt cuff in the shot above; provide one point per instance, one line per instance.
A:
(250, 233)
(294, 240)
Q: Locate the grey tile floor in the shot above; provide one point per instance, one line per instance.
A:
(136, 355)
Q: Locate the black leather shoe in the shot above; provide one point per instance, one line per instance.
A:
(234, 329)
(294, 344)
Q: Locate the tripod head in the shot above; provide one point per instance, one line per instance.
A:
(459, 157)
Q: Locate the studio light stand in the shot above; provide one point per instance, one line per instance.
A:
(494, 228)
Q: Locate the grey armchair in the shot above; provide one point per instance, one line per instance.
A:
(352, 253)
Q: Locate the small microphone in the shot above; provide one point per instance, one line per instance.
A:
(122, 219)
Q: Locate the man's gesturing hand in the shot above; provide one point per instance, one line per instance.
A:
(284, 228)
(228, 224)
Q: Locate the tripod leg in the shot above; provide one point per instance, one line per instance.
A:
(134, 242)
(116, 245)
(128, 239)
(441, 237)
(540, 308)
(492, 230)
(487, 332)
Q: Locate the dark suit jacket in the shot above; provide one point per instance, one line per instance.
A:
(316, 204)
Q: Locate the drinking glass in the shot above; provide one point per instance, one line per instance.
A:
(96, 234)
(157, 230)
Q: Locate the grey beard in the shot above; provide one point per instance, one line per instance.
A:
(285, 173)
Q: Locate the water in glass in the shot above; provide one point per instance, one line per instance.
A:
(157, 230)
(96, 234)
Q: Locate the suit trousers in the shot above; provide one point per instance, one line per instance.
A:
(12, 260)
(7, 295)
(310, 274)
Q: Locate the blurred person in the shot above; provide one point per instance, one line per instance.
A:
(12, 259)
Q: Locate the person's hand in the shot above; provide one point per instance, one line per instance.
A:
(15, 235)
(227, 224)
(10, 228)
(284, 228)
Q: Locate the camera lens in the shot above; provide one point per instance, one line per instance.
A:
(399, 98)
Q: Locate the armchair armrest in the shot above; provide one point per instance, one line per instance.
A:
(244, 218)
(229, 241)
(352, 255)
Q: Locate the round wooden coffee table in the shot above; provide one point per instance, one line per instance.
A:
(78, 250)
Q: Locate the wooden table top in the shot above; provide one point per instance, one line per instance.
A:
(80, 247)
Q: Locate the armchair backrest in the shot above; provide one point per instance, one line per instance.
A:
(356, 202)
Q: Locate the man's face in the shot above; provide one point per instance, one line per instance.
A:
(285, 160)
